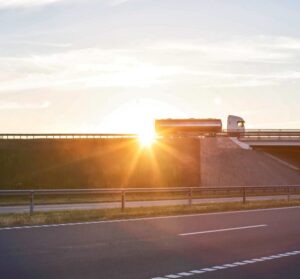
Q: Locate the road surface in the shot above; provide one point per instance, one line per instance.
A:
(248, 244)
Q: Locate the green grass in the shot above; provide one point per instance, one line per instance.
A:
(39, 218)
(98, 163)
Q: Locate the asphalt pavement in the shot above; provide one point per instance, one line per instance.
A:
(247, 244)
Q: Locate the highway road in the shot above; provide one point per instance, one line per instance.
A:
(247, 244)
(105, 205)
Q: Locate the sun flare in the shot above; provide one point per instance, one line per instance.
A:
(146, 137)
(138, 117)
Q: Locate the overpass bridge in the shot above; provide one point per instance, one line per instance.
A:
(272, 143)
(279, 137)
(38, 136)
(223, 160)
(263, 137)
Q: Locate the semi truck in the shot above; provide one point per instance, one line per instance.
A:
(199, 126)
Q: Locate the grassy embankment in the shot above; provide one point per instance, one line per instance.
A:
(98, 163)
(102, 163)
(40, 218)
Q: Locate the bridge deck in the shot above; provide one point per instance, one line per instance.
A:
(253, 135)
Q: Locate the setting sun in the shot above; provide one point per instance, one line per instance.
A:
(146, 137)
(138, 117)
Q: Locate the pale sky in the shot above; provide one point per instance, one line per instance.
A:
(114, 65)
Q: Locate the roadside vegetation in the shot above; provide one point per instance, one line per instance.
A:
(57, 217)
(98, 163)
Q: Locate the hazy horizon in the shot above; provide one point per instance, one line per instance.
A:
(114, 65)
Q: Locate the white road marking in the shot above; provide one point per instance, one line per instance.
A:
(293, 253)
(233, 265)
(274, 257)
(239, 263)
(266, 258)
(219, 267)
(208, 269)
(185, 274)
(148, 218)
(229, 265)
(197, 271)
(249, 261)
(224, 230)
(257, 260)
(283, 255)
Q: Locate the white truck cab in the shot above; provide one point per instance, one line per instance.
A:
(235, 125)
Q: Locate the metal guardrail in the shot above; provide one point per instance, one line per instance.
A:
(242, 190)
(13, 136)
(263, 135)
(270, 135)
(249, 133)
(273, 130)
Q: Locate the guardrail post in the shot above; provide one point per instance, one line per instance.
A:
(244, 195)
(289, 193)
(190, 197)
(123, 200)
(31, 202)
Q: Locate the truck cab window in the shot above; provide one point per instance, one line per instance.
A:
(240, 124)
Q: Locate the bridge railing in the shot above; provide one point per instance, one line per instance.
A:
(241, 191)
(249, 133)
(13, 136)
(269, 134)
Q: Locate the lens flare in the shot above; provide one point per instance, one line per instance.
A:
(146, 137)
